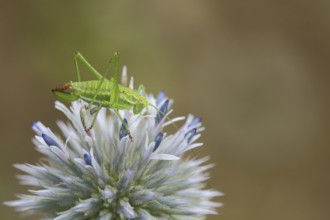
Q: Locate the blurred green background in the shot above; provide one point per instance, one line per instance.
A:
(257, 71)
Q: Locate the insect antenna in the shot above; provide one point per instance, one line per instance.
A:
(164, 115)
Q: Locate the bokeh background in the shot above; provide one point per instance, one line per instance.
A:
(257, 71)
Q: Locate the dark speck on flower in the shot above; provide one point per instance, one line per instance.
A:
(49, 141)
(160, 97)
(87, 159)
(162, 112)
(158, 139)
(190, 134)
(123, 131)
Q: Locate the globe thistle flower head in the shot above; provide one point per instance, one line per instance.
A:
(105, 175)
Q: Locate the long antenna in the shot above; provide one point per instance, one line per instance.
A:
(164, 114)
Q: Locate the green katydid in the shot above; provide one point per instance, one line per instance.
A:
(102, 93)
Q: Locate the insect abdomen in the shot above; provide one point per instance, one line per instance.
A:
(86, 90)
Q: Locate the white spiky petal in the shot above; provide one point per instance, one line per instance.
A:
(103, 176)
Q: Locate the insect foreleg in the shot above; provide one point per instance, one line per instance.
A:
(93, 110)
(83, 117)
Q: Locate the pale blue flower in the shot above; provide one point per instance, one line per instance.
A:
(104, 175)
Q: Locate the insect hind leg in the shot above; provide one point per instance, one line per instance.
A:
(114, 59)
(79, 57)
